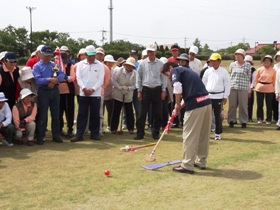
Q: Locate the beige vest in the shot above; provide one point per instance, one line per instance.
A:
(124, 81)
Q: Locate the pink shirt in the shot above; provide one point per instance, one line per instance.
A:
(30, 118)
(265, 79)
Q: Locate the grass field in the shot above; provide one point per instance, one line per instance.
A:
(242, 173)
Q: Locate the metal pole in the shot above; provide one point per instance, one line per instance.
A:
(111, 20)
(30, 9)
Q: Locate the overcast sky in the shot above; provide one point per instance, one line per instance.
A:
(219, 23)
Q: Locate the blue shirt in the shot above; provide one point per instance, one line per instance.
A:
(194, 92)
(43, 71)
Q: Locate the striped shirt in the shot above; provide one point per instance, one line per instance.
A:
(240, 75)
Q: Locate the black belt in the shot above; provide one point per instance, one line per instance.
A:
(216, 92)
(149, 88)
(265, 83)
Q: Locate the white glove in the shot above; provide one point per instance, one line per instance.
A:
(124, 89)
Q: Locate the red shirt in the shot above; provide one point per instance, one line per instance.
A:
(31, 62)
(171, 59)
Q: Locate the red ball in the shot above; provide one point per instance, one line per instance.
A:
(107, 173)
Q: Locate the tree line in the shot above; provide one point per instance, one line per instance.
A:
(18, 41)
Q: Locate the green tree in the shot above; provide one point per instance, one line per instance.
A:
(197, 43)
(206, 50)
(266, 50)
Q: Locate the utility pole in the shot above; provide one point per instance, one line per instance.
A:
(185, 39)
(103, 36)
(30, 9)
(111, 20)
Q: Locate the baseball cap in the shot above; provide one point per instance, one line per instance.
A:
(151, 47)
(64, 48)
(47, 50)
(39, 48)
(133, 52)
(215, 56)
(11, 57)
(90, 50)
(193, 49)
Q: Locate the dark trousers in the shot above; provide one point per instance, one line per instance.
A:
(150, 96)
(136, 103)
(165, 112)
(48, 98)
(67, 106)
(92, 105)
(251, 105)
(217, 105)
(268, 101)
(117, 107)
(8, 132)
(109, 107)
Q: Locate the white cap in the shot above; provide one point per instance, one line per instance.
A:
(2, 54)
(109, 58)
(193, 49)
(275, 56)
(64, 48)
(144, 52)
(39, 48)
(90, 50)
(26, 73)
(151, 47)
(163, 59)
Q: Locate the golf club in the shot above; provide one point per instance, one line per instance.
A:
(150, 158)
(133, 148)
(120, 132)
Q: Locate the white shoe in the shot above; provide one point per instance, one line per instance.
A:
(278, 123)
(5, 142)
(217, 137)
(212, 129)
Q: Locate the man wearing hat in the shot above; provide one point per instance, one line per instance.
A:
(175, 53)
(124, 80)
(47, 77)
(24, 114)
(7, 129)
(194, 63)
(90, 77)
(151, 86)
(240, 74)
(217, 82)
(35, 58)
(9, 74)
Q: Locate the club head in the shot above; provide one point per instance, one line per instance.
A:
(149, 158)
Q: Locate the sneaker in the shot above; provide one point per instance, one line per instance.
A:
(259, 121)
(268, 122)
(217, 137)
(180, 169)
(5, 142)
(278, 123)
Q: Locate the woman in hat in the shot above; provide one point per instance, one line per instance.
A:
(265, 79)
(24, 114)
(124, 83)
(9, 74)
(26, 80)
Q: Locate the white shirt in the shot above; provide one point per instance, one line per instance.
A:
(90, 76)
(217, 81)
(196, 66)
(5, 115)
